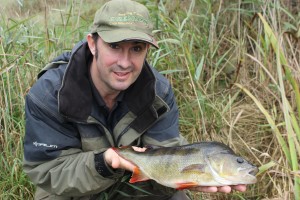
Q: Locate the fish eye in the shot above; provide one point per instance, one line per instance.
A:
(240, 160)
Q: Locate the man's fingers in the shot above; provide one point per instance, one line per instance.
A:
(139, 149)
(240, 188)
(112, 158)
(115, 163)
(205, 189)
(224, 189)
(228, 189)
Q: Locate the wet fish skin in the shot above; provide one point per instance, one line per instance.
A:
(197, 164)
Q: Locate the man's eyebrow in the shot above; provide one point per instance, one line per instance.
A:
(112, 43)
(138, 42)
(132, 42)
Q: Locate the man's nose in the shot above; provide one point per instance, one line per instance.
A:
(124, 59)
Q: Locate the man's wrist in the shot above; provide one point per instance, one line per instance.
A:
(102, 167)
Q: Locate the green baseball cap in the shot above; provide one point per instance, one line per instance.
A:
(123, 20)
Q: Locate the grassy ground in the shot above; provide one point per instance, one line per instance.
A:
(235, 74)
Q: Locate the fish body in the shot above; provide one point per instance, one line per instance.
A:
(197, 164)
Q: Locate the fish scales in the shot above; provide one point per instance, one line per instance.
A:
(198, 164)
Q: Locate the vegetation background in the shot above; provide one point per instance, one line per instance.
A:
(234, 66)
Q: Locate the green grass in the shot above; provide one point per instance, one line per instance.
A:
(235, 74)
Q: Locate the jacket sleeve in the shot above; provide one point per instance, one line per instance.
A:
(53, 158)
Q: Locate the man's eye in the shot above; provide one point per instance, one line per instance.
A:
(137, 49)
(113, 46)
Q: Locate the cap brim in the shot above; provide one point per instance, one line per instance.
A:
(112, 36)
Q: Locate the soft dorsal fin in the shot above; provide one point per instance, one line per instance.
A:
(138, 176)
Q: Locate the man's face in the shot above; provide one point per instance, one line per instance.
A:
(117, 65)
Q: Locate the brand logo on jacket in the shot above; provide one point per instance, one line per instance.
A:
(37, 144)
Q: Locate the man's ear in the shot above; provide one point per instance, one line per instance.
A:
(148, 47)
(91, 43)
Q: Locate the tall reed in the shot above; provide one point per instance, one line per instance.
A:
(213, 49)
(285, 84)
(27, 43)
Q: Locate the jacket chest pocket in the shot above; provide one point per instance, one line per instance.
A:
(93, 137)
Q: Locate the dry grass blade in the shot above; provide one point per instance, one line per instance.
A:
(275, 44)
(271, 122)
(281, 62)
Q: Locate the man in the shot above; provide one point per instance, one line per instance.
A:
(102, 94)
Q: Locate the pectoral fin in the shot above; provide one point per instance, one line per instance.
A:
(199, 168)
(138, 176)
(182, 186)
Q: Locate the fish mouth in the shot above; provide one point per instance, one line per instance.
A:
(253, 171)
(249, 171)
(249, 175)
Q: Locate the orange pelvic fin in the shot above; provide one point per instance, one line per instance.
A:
(138, 176)
(182, 186)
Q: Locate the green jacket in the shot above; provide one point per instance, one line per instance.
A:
(68, 127)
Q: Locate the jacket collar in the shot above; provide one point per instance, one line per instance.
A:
(75, 97)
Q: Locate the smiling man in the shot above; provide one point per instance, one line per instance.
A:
(102, 94)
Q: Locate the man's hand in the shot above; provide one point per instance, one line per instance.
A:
(224, 189)
(115, 161)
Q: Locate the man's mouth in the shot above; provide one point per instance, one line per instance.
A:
(121, 74)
